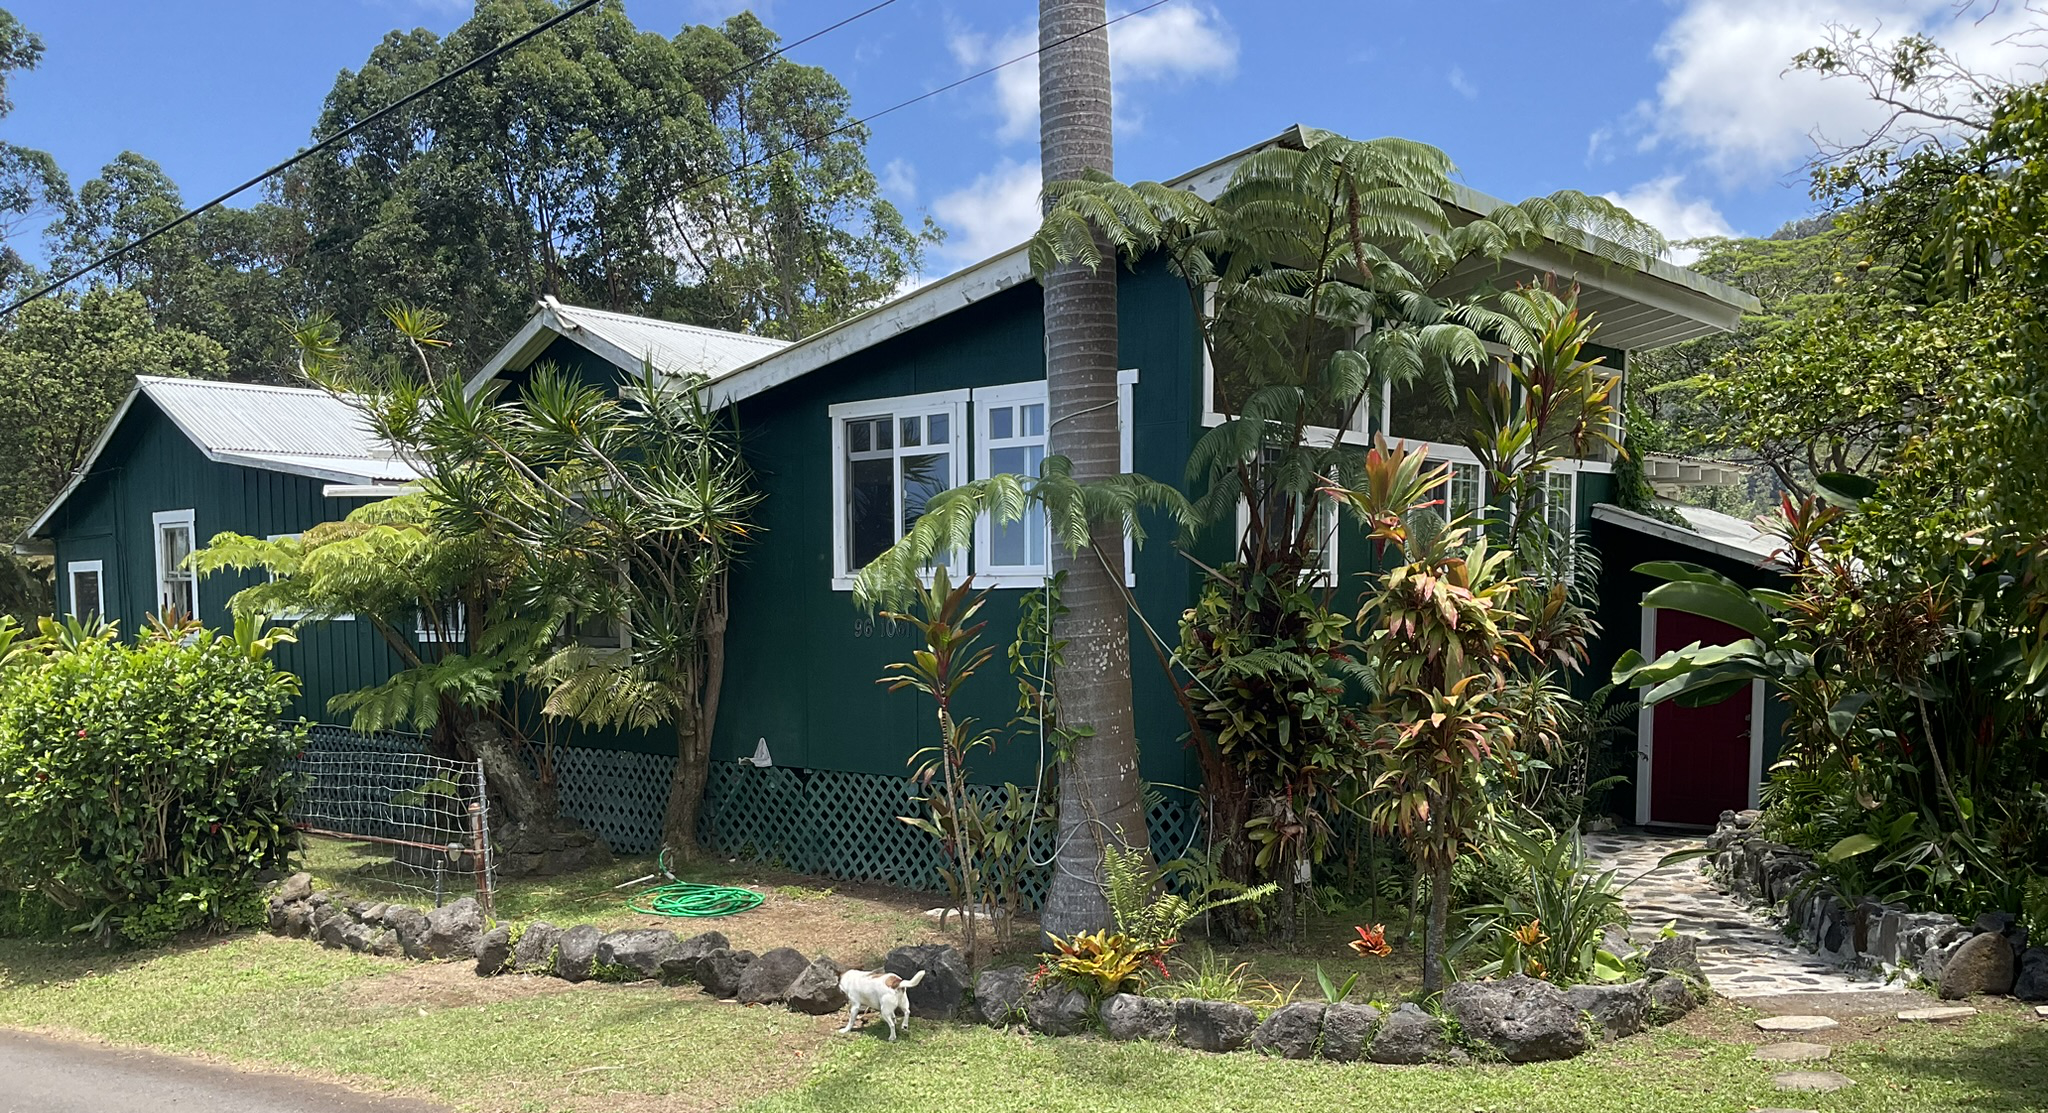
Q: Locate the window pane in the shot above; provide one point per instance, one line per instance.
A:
(923, 476)
(178, 598)
(1019, 544)
(858, 436)
(1419, 412)
(177, 546)
(884, 434)
(1001, 423)
(85, 594)
(870, 510)
(935, 432)
(1034, 420)
(910, 432)
(1465, 494)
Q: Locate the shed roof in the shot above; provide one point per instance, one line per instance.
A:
(295, 430)
(627, 342)
(1709, 531)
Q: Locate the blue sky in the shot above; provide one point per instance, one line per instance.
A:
(1679, 108)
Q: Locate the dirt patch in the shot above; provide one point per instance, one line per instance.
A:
(447, 985)
(855, 923)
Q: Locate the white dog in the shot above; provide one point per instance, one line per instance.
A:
(879, 992)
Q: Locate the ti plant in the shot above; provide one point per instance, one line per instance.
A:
(947, 661)
(1441, 626)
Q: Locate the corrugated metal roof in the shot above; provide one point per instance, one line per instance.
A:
(280, 428)
(672, 348)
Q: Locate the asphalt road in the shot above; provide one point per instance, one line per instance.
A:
(42, 1075)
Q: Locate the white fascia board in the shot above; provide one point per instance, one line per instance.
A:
(929, 303)
(368, 490)
(262, 462)
(533, 337)
(84, 468)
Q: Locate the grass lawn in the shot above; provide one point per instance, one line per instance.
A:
(520, 1045)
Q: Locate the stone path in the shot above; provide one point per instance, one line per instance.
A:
(1743, 953)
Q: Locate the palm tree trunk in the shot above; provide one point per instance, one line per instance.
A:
(1098, 785)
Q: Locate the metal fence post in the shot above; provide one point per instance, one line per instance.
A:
(479, 834)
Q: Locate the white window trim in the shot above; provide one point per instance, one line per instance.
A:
(1011, 394)
(953, 401)
(297, 616)
(157, 522)
(458, 636)
(77, 568)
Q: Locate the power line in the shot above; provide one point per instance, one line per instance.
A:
(924, 96)
(516, 41)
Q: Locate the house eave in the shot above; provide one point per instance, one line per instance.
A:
(1665, 531)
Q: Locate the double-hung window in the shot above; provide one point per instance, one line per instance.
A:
(446, 625)
(1464, 491)
(177, 586)
(1560, 502)
(889, 457)
(1011, 431)
(87, 581)
(1285, 513)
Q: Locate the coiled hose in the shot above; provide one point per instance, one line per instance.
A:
(687, 898)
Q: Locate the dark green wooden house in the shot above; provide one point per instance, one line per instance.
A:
(848, 431)
(184, 459)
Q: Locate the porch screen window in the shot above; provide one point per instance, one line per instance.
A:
(88, 596)
(1421, 410)
(177, 586)
(890, 457)
(1283, 513)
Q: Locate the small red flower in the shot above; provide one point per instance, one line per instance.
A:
(215, 829)
(81, 732)
(1372, 941)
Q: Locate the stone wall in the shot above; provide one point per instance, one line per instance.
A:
(1888, 939)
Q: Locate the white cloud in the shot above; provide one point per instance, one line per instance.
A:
(1659, 202)
(1461, 84)
(899, 181)
(992, 214)
(1728, 94)
(1165, 45)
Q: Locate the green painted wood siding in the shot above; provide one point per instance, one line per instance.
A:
(803, 661)
(149, 466)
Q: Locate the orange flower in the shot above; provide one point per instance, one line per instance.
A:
(1532, 934)
(1372, 941)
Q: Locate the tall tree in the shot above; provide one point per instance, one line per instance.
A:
(1099, 791)
(603, 165)
(31, 185)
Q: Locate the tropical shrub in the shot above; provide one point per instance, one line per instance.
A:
(144, 788)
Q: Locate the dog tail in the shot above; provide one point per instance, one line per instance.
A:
(911, 983)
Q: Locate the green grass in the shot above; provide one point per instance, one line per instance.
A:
(538, 1046)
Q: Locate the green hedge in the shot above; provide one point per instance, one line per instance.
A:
(144, 786)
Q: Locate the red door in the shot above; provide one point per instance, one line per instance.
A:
(1699, 756)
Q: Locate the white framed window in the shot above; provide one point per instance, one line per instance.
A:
(88, 585)
(1463, 491)
(1012, 432)
(1322, 568)
(453, 628)
(889, 457)
(1561, 501)
(177, 586)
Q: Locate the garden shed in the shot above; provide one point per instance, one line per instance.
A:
(184, 459)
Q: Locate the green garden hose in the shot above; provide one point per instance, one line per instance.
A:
(685, 898)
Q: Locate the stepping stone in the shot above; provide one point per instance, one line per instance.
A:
(1792, 1052)
(1795, 1023)
(2041, 1011)
(1815, 1081)
(1929, 1016)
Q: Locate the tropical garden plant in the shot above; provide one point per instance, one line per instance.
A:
(144, 786)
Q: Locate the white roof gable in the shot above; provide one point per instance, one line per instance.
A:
(628, 342)
(295, 430)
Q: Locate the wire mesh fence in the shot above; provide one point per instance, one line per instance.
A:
(389, 815)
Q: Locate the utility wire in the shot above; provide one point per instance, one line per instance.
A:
(516, 41)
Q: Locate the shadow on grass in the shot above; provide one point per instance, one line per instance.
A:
(2005, 1072)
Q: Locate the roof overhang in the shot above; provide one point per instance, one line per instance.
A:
(1639, 307)
(542, 329)
(312, 467)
